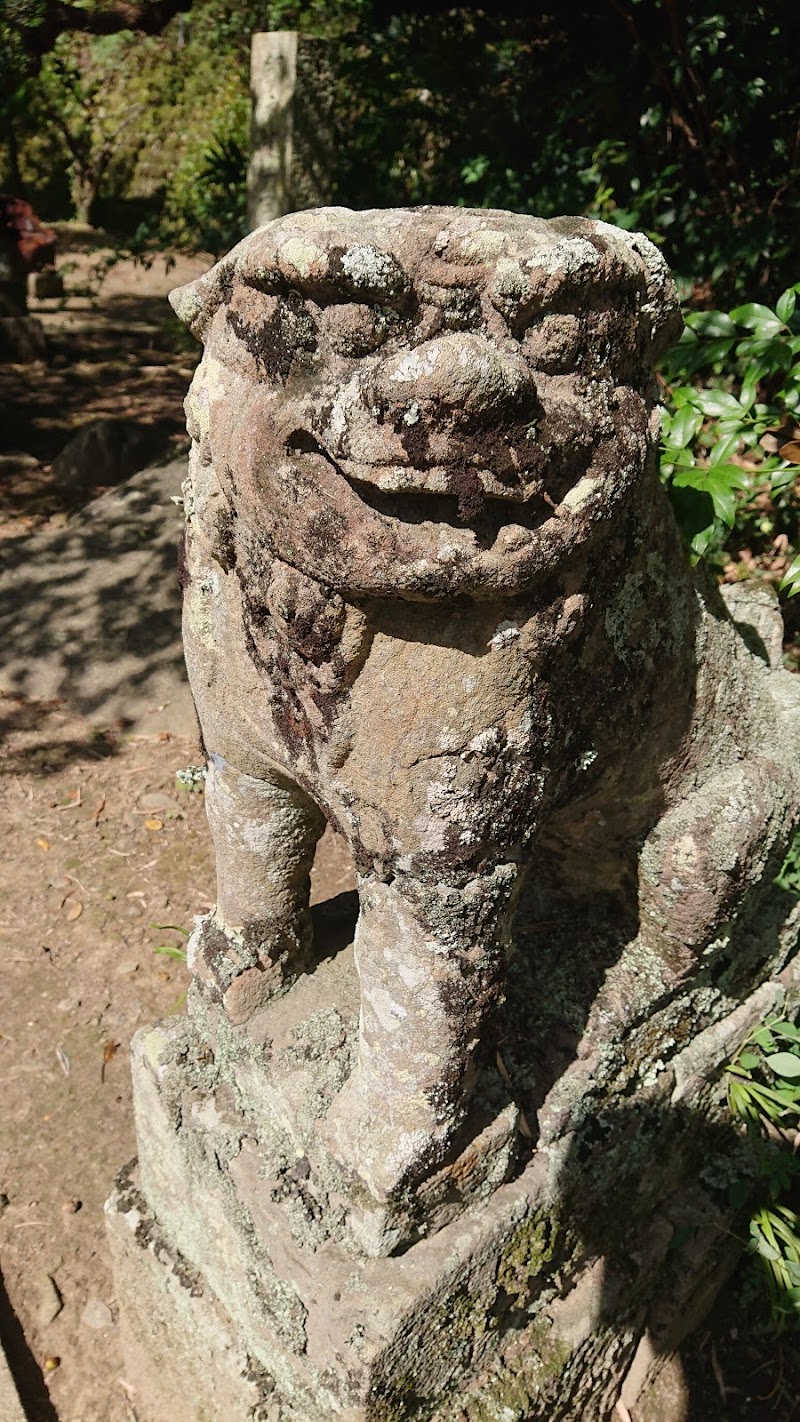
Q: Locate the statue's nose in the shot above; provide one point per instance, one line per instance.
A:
(462, 371)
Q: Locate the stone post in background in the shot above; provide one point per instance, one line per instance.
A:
(291, 143)
(470, 1161)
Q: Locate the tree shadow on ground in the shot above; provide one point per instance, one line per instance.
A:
(91, 615)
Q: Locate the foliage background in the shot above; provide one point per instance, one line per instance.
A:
(679, 119)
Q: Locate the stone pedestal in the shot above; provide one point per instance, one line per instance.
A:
(244, 1288)
(291, 144)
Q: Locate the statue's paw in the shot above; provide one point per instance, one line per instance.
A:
(389, 1143)
(244, 967)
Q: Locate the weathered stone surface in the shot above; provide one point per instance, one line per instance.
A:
(434, 592)
(546, 1298)
(475, 1166)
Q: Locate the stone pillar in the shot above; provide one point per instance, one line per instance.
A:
(468, 1158)
(291, 145)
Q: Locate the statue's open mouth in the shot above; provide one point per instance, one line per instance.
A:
(462, 495)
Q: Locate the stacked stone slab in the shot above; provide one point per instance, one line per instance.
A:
(470, 1161)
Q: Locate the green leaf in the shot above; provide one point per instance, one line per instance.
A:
(783, 478)
(723, 450)
(718, 403)
(791, 581)
(747, 395)
(784, 1064)
(786, 305)
(757, 318)
(720, 482)
(683, 395)
(711, 323)
(787, 1030)
(684, 425)
(748, 1060)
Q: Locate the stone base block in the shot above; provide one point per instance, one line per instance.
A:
(246, 1290)
(45, 284)
(182, 1354)
(22, 339)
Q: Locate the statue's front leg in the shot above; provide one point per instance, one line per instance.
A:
(258, 938)
(431, 963)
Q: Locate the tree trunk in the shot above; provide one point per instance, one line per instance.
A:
(83, 193)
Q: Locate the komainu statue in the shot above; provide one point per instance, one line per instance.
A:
(434, 597)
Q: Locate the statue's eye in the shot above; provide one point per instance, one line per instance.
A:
(277, 333)
(354, 329)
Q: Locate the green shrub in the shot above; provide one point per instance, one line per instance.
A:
(730, 451)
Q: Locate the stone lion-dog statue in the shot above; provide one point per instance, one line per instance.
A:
(435, 597)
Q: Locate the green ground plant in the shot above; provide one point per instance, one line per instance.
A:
(763, 1091)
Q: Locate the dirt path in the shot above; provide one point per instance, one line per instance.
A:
(114, 349)
(101, 845)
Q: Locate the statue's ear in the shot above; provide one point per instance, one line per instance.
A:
(196, 303)
(660, 319)
(660, 316)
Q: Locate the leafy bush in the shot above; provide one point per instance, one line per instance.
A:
(731, 445)
(206, 204)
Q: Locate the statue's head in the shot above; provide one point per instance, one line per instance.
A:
(428, 402)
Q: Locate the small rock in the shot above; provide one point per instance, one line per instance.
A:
(4, 1202)
(50, 1301)
(106, 450)
(70, 1207)
(50, 1364)
(97, 1315)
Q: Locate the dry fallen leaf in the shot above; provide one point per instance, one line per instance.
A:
(74, 802)
(154, 824)
(75, 910)
(109, 1048)
(98, 812)
(43, 843)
